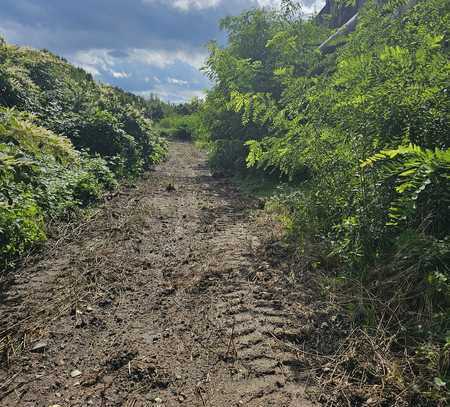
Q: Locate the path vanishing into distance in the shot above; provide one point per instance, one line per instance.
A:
(172, 294)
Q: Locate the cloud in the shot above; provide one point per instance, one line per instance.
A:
(120, 75)
(105, 59)
(187, 4)
(173, 95)
(90, 69)
(176, 81)
(162, 58)
(133, 44)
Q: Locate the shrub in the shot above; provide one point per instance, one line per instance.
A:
(42, 177)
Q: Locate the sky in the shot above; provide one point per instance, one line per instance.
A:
(143, 46)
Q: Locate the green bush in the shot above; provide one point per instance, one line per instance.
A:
(21, 226)
(64, 141)
(42, 177)
(65, 100)
(362, 130)
(180, 127)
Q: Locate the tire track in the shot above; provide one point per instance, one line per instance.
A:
(168, 303)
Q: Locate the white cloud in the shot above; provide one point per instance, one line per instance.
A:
(186, 5)
(173, 95)
(120, 75)
(163, 58)
(309, 6)
(153, 78)
(95, 60)
(90, 69)
(175, 81)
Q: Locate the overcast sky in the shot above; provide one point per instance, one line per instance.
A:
(143, 46)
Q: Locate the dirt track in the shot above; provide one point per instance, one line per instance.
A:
(167, 296)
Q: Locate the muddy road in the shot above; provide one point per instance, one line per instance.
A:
(167, 296)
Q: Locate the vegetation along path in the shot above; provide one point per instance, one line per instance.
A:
(166, 296)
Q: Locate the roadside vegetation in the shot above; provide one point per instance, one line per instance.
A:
(357, 134)
(65, 140)
(349, 139)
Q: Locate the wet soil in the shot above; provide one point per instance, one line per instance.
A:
(170, 295)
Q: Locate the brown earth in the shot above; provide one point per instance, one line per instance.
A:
(172, 294)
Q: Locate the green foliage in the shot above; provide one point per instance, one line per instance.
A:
(42, 177)
(21, 226)
(361, 131)
(180, 127)
(64, 141)
(420, 178)
(65, 100)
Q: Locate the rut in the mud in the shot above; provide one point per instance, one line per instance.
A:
(162, 298)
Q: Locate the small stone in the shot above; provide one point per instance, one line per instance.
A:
(178, 377)
(105, 303)
(158, 400)
(75, 373)
(54, 405)
(279, 384)
(80, 322)
(89, 309)
(39, 346)
(108, 380)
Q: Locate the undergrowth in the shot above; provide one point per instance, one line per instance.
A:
(359, 129)
(65, 140)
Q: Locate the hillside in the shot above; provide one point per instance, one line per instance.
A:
(64, 140)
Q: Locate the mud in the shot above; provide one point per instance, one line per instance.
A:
(165, 297)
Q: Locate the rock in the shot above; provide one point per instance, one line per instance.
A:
(39, 346)
(279, 384)
(55, 405)
(158, 400)
(108, 380)
(106, 302)
(168, 291)
(89, 309)
(75, 373)
(80, 322)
